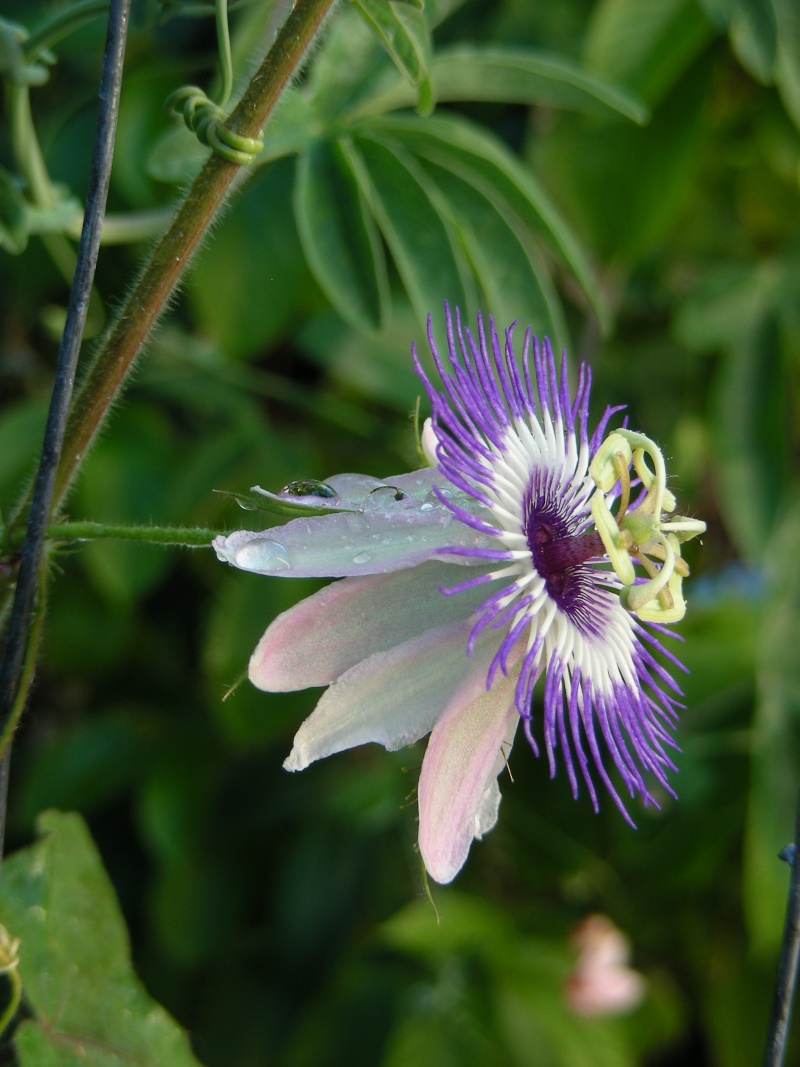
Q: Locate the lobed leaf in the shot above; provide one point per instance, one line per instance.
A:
(479, 158)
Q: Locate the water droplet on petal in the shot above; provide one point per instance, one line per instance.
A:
(263, 555)
(362, 557)
(308, 487)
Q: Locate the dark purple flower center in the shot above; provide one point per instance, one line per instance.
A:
(557, 551)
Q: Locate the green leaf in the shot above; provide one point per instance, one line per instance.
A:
(645, 47)
(787, 66)
(91, 762)
(123, 483)
(718, 11)
(376, 367)
(13, 217)
(482, 160)
(291, 127)
(414, 223)
(624, 184)
(753, 32)
(89, 1008)
(252, 281)
(508, 75)
(176, 157)
(403, 32)
(776, 752)
(749, 420)
(349, 62)
(514, 281)
(339, 236)
(21, 433)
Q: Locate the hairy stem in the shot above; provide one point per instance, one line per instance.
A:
(187, 536)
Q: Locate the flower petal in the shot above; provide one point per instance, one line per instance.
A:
(328, 633)
(393, 698)
(464, 755)
(333, 546)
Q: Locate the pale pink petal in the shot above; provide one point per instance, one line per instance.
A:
(464, 755)
(393, 698)
(601, 983)
(612, 991)
(328, 633)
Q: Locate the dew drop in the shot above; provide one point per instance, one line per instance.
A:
(308, 487)
(263, 555)
(362, 557)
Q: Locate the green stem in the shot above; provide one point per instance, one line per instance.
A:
(169, 259)
(123, 229)
(224, 46)
(62, 24)
(188, 536)
(25, 146)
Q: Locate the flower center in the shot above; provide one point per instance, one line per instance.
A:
(556, 551)
(553, 554)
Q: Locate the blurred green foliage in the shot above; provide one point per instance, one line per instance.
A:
(625, 177)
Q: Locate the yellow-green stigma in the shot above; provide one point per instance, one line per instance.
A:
(649, 534)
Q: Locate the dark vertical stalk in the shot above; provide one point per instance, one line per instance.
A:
(24, 606)
(790, 957)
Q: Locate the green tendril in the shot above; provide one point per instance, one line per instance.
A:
(207, 119)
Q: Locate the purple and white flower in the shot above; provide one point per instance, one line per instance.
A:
(465, 582)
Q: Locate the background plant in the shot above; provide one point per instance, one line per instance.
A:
(626, 182)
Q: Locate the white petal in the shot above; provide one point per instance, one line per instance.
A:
(348, 543)
(328, 633)
(352, 492)
(394, 698)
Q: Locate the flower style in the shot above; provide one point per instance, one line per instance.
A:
(466, 581)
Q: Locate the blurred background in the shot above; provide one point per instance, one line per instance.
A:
(282, 918)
